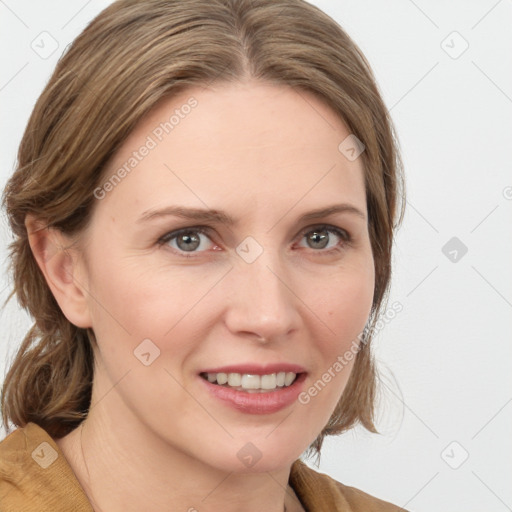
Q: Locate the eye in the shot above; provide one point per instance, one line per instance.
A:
(186, 239)
(320, 237)
(192, 240)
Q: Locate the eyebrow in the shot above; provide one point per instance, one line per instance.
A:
(218, 216)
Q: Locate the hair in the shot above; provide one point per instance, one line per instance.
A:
(129, 57)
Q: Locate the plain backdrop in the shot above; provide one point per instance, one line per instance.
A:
(444, 70)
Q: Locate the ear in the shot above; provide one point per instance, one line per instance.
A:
(60, 267)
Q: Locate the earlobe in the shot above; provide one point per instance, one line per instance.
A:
(49, 247)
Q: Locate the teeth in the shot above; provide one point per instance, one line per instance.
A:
(269, 381)
(222, 378)
(252, 382)
(234, 379)
(290, 377)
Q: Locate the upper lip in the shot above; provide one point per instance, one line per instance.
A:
(256, 369)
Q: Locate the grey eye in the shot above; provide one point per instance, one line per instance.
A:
(319, 239)
(188, 241)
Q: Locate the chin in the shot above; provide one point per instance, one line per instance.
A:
(260, 455)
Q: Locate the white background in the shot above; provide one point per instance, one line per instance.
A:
(445, 359)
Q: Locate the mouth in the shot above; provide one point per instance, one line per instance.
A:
(258, 390)
(252, 382)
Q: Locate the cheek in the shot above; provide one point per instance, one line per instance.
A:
(348, 303)
(131, 303)
(354, 307)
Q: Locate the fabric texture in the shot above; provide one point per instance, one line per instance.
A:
(36, 477)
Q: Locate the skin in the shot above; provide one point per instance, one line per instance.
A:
(265, 155)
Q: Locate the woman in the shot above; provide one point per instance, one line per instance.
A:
(203, 215)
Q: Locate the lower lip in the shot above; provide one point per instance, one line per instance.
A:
(257, 403)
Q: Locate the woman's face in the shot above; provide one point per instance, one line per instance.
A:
(266, 292)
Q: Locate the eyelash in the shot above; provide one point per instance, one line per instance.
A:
(205, 230)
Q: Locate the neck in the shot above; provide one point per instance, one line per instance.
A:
(124, 467)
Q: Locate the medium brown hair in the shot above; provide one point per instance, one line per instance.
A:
(132, 55)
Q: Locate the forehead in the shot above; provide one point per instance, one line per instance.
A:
(249, 144)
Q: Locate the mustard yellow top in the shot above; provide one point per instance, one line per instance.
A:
(35, 477)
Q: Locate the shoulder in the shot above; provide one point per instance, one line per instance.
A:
(14, 449)
(318, 492)
(34, 475)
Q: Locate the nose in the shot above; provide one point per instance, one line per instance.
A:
(262, 301)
